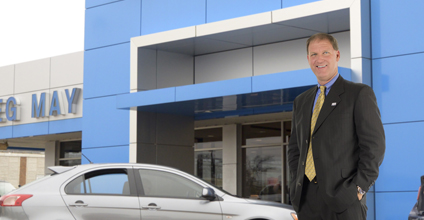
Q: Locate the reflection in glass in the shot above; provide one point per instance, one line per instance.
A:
(100, 182)
(208, 166)
(163, 184)
(71, 149)
(70, 162)
(110, 183)
(262, 173)
(70, 153)
(209, 145)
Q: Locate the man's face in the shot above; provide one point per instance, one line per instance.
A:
(323, 60)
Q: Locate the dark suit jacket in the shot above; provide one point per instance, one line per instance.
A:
(348, 143)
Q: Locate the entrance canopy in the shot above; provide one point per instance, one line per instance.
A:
(236, 97)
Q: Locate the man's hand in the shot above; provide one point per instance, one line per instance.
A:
(360, 196)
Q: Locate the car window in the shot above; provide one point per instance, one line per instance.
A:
(113, 181)
(164, 184)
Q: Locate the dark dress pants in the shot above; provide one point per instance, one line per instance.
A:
(313, 207)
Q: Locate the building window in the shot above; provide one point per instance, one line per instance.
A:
(70, 153)
(263, 156)
(208, 155)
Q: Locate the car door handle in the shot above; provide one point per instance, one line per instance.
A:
(78, 203)
(151, 206)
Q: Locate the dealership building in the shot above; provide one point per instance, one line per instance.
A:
(207, 86)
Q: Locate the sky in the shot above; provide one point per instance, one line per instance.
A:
(37, 29)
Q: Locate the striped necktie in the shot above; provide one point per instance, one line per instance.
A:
(310, 166)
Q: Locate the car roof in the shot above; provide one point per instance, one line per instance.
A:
(62, 169)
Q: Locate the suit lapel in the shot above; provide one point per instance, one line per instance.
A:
(309, 104)
(331, 101)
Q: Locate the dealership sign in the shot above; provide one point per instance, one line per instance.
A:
(42, 106)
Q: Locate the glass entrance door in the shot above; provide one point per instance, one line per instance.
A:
(208, 155)
(262, 173)
(264, 164)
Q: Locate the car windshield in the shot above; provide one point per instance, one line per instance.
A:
(5, 188)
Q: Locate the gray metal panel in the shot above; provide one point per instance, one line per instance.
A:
(291, 55)
(175, 130)
(206, 45)
(280, 57)
(146, 69)
(343, 40)
(223, 66)
(146, 153)
(260, 35)
(279, 33)
(180, 157)
(255, 35)
(146, 127)
(174, 69)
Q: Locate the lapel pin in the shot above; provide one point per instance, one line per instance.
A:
(334, 104)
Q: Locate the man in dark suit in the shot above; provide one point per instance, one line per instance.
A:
(337, 142)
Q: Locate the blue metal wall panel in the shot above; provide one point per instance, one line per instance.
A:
(104, 124)
(94, 3)
(397, 27)
(107, 71)
(283, 80)
(403, 161)
(6, 132)
(151, 97)
(223, 9)
(34, 129)
(163, 15)
(112, 23)
(41, 128)
(345, 73)
(67, 125)
(290, 3)
(214, 89)
(290, 79)
(397, 83)
(115, 154)
(370, 204)
(394, 205)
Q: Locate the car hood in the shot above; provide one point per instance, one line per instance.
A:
(268, 203)
(233, 199)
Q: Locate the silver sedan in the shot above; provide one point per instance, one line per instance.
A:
(133, 192)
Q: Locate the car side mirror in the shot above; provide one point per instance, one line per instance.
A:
(208, 193)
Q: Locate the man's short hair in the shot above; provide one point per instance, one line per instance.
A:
(322, 36)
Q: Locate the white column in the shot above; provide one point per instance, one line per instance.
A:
(133, 136)
(49, 156)
(231, 145)
(360, 41)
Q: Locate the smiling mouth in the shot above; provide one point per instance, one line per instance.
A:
(321, 66)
